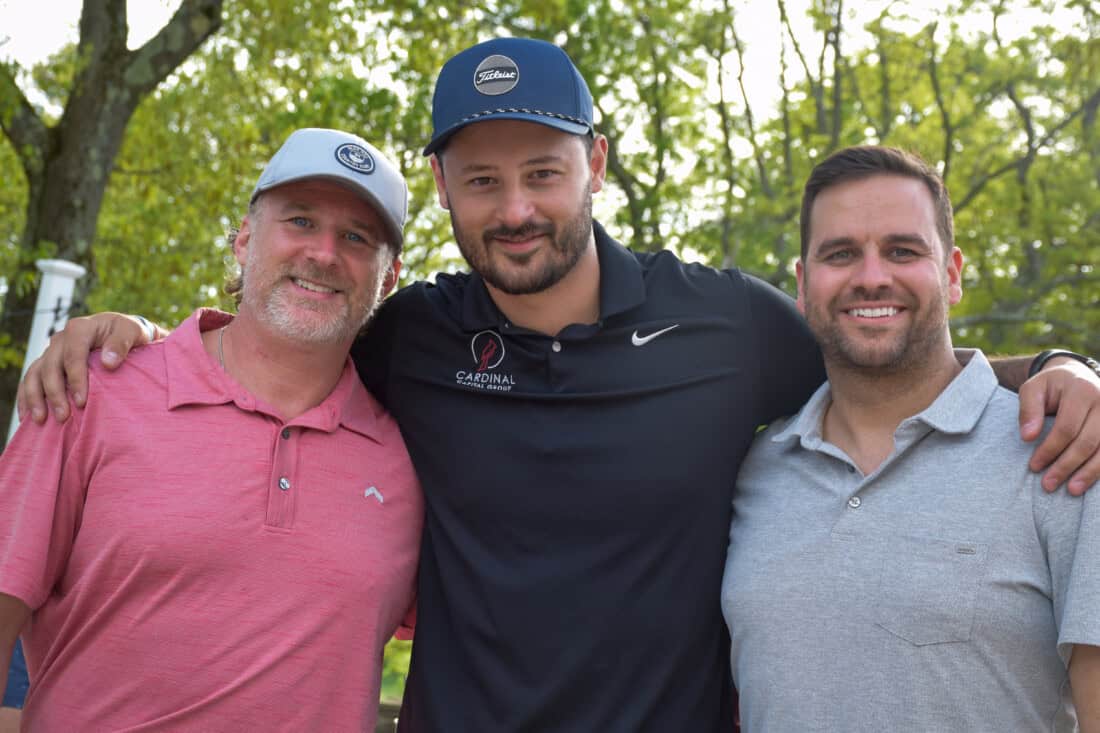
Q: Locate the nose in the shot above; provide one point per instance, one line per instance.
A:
(515, 207)
(872, 271)
(323, 246)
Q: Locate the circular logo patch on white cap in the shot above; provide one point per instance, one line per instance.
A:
(356, 157)
(496, 75)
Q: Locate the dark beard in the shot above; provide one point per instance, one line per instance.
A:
(568, 245)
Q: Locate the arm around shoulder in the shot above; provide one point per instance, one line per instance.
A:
(783, 350)
(63, 366)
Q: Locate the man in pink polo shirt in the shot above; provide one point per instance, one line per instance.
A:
(228, 536)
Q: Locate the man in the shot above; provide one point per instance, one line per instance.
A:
(892, 565)
(576, 414)
(227, 542)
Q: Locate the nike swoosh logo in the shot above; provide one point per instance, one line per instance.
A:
(643, 340)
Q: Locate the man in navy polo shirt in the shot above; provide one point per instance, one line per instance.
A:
(576, 413)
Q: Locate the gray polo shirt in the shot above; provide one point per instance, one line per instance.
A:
(942, 592)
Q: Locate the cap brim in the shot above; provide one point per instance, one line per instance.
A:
(364, 193)
(573, 128)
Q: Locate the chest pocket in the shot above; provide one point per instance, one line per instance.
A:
(928, 589)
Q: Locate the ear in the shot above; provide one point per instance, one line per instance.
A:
(800, 275)
(240, 242)
(440, 184)
(954, 276)
(389, 281)
(597, 163)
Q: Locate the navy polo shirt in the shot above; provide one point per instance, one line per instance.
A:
(578, 491)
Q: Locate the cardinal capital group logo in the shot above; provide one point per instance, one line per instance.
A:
(487, 353)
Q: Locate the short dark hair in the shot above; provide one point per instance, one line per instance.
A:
(863, 161)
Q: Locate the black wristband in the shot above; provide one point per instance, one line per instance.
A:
(1045, 356)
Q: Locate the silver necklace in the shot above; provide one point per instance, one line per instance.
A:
(221, 349)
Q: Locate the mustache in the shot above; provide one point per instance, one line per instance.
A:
(527, 229)
(320, 275)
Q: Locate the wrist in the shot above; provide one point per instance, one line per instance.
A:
(1043, 357)
(149, 329)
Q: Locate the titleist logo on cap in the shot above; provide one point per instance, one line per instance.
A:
(496, 75)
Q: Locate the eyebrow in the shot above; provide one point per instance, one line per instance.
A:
(833, 243)
(482, 167)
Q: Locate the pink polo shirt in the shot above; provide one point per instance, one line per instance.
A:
(194, 563)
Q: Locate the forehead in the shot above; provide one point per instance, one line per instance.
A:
(502, 142)
(322, 195)
(872, 207)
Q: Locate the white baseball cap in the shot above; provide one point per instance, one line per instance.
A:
(315, 152)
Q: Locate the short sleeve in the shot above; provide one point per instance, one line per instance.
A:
(1071, 537)
(42, 487)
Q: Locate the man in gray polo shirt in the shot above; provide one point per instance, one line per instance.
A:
(893, 565)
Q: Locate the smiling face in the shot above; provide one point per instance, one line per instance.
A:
(520, 199)
(876, 283)
(315, 262)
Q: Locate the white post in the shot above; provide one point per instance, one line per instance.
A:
(51, 310)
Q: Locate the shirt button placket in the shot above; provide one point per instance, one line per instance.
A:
(280, 497)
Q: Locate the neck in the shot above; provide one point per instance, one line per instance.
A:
(573, 299)
(291, 376)
(867, 407)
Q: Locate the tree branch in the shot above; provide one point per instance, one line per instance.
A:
(833, 40)
(27, 132)
(757, 152)
(192, 23)
(1014, 164)
(941, 104)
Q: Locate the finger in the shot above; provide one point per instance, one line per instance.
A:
(1033, 404)
(119, 338)
(1085, 478)
(80, 338)
(1068, 422)
(52, 379)
(1070, 444)
(1086, 444)
(29, 398)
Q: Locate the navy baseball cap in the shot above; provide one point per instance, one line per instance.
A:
(510, 79)
(315, 152)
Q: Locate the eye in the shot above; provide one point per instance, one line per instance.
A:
(544, 174)
(480, 181)
(903, 253)
(357, 238)
(299, 221)
(838, 256)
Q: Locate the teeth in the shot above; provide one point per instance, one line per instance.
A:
(314, 287)
(873, 312)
